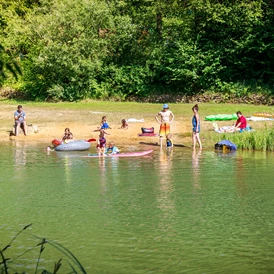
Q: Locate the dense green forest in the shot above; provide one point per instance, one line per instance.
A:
(75, 49)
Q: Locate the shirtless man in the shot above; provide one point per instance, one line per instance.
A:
(166, 118)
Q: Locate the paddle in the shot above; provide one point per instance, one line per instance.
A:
(91, 140)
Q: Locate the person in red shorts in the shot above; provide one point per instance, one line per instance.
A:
(166, 118)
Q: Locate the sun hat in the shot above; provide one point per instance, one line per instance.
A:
(165, 106)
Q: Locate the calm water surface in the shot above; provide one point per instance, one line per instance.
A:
(184, 212)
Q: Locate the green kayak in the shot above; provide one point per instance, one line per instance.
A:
(221, 117)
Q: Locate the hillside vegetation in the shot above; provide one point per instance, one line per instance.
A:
(132, 50)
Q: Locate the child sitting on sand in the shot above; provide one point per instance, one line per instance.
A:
(124, 124)
(104, 123)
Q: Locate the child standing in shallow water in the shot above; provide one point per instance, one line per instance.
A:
(101, 145)
(169, 142)
(196, 127)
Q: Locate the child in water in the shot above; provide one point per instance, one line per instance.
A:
(102, 142)
(124, 124)
(169, 142)
(112, 149)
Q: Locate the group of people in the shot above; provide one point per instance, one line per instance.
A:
(239, 126)
(165, 117)
(101, 144)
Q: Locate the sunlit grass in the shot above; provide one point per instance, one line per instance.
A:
(254, 140)
(133, 107)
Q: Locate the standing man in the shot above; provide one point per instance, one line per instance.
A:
(20, 120)
(166, 118)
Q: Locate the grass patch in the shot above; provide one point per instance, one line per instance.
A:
(134, 107)
(254, 140)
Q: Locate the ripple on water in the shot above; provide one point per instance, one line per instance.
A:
(178, 212)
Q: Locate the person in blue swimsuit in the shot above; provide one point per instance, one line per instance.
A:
(196, 127)
(104, 123)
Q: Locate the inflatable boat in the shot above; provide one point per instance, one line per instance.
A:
(73, 146)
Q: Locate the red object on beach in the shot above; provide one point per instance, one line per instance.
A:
(91, 140)
(56, 142)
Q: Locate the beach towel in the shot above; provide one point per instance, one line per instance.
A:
(135, 120)
(227, 128)
(222, 129)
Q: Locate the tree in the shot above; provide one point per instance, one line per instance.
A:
(7, 65)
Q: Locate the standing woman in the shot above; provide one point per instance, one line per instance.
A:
(196, 127)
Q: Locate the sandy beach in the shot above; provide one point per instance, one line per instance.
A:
(82, 123)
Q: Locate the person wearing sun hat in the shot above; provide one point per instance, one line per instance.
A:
(166, 118)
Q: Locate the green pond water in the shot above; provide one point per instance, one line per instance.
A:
(183, 212)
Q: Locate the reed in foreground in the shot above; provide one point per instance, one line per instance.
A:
(9, 265)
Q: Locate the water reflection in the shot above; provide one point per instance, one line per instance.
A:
(102, 174)
(67, 167)
(178, 211)
(241, 178)
(20, 155)
(196, 155)
(165, 197)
